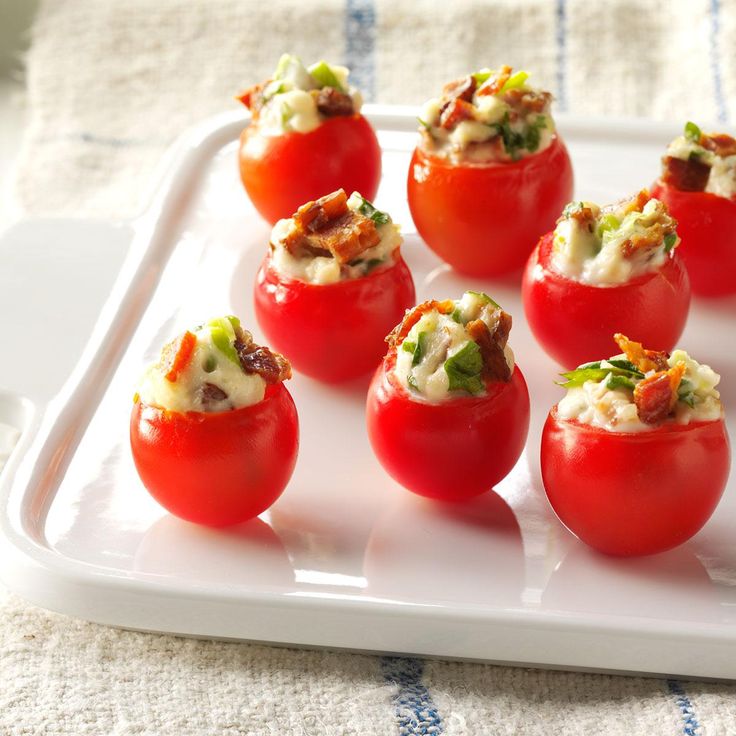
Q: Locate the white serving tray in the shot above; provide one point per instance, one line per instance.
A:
(345, 558)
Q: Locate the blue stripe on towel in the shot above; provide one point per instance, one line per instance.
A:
(561, 37)
(360, 45)
(691, 725)
(715, 29)
(415, 711)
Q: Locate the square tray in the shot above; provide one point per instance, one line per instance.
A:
(345, 558)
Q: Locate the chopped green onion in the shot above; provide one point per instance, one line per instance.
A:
(421, 348)
(669, 242)
(457, 315)
(286, 113)
(613, 381)
(572, 207)
(685, 393)
(595, 372)
(463, 369)
(482, 76)
(210, 364)
(223, 335)
(692, 132)
(608, 223)
(424, 124)
(366, 208)
(483, 297)
(515, 81)
(531, 139)
(695, 155)
(408, 346)
(324, 76)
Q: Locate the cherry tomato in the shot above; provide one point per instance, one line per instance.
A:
(281, 172)
(332, 332)
(574, 322)
(634, 493)
(217, 468)
(452, 450)
(707, 225)
(484, 219)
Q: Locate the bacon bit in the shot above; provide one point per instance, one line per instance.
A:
(527, 100)
(454, 112)
(251, 97)
(721, 144)
(333, 103)
(637, 203)
(644, 360)
(656, 396)
(210, 394)
(329, 227)
(412, 316)
(460, 89)
(491, 344)
(687, 176)
(493, 85)
(270, 366)
(651, 239)
(584, 216)
(177, 355)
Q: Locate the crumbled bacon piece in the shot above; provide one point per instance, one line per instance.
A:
(270, 366)
(492, 344)
(333, 103)
(493, 85)
(177, 355)
(252, 97)
(656, 395)
(527, 100)
(584, 216)
(210, 394)
(460, 89)
(644, 360)
(686, 176)
(454, 112)
(637, 203)
(412, 316)
(721, 144)
(651, 239)
(329, 227)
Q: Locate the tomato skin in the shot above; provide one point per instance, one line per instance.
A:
(575, 322)
(484, 219)
(707, 225)
(218, 468)
(453, 450)
(332, 332)
(282, 172)
(634, 493)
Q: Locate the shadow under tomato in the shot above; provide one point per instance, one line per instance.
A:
(671, 585)
(249, 554)
(462, 553)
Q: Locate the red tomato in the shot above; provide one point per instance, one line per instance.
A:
(332, 332)
(484, 219)
(217, 468)
(707, 225)
(574, 322)
(634, 493)
(282, 172)
(452, 450)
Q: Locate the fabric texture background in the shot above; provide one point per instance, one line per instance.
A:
(110, 87)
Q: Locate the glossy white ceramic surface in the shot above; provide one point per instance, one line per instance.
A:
(345, 558)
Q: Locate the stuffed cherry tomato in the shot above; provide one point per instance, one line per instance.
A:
(698, 184)
(603, 270)
(490, 174)
(333, 284)
(306, 138)
(636, 456)
(214, 432)
(448, 410)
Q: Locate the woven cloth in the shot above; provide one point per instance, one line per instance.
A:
(111, 84)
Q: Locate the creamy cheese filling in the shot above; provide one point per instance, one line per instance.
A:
(722, 176)
(209, 366)
(600, 249)
(424, 359)
(289, 102)
(601, 404)
(499, 127)
(326, 269)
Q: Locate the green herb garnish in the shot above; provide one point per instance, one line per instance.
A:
(615, 381)
(366, 208)
(608, 223)
(685, 393)
(464, 369)
(223, 331)
(692, 132)
(515, 81)
(669, 242)
(484, 298)
(324, 76)
(594, 372)
(424, 124)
